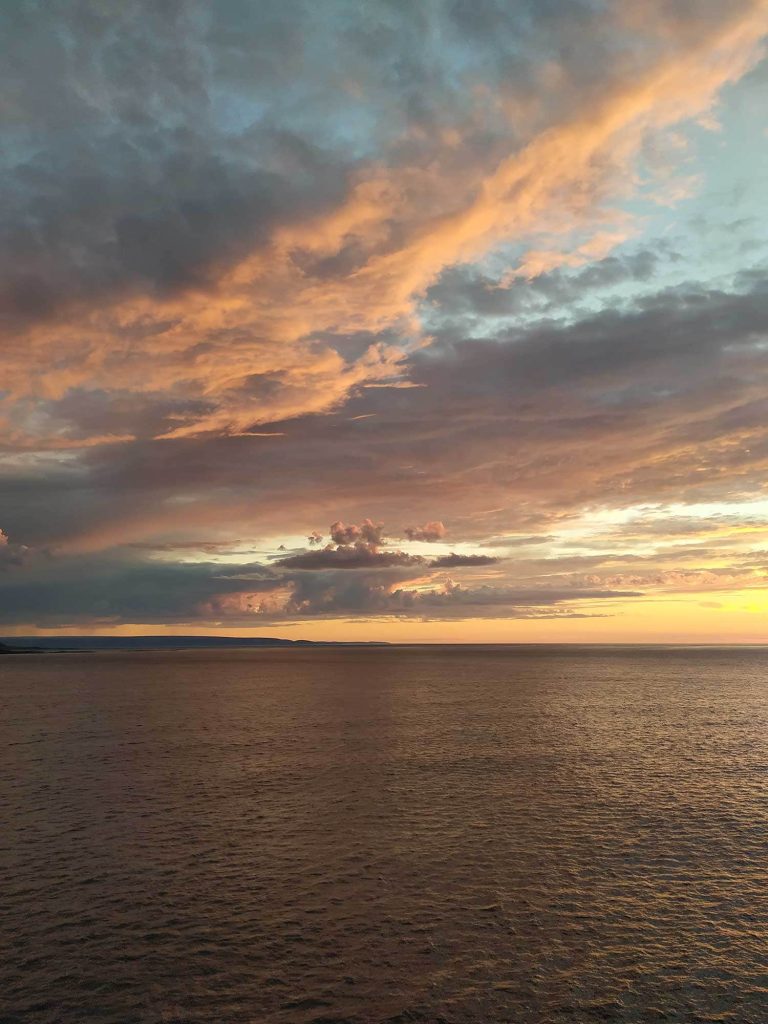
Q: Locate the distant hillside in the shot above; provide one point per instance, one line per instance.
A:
(156, 643)
(18, 646)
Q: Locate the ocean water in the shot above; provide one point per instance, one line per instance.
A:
(350, 835)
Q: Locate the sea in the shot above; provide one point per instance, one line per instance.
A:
(348, 835)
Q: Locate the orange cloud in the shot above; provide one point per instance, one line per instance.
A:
(255, 348)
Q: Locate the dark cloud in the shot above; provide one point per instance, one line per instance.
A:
(664, 401)
(127, 163)
(148, 145)
(454, 561)
(330, 595)
(359, 547)
(466, 291)
(11, 555)
(356, 556)
(56, 592)
(60, 592)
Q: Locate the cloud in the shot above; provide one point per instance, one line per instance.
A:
(61, 592)
(468, 291)
(682, 580)
(454, 561)
(11, 555)
(429, 532)
(193, 206)
(331, 595)
(268, 265)
(367, 533)
(96, 590)
(358, 547)
(660, 400)
(356, 556)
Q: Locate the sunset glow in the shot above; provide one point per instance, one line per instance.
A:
(422, 322)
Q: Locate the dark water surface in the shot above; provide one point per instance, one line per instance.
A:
(345, 835)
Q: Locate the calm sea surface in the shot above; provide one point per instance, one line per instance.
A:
(347, 835)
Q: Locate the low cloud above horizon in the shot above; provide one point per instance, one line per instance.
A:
(385, 320)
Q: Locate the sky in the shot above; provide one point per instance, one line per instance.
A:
(435, 321)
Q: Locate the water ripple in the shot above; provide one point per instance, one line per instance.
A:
(370, 836)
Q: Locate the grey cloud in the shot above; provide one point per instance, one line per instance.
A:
(468, 291)
(58, 592)
(454, 561)
(669, 340)
(359, 547)
(152, 143)
(11, 554)
(332, 596)
(662, 402)
(516, 597)
(148, 145)
(357, 556)
(122, 168)
(61, 592)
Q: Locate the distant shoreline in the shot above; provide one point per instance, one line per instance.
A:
(64, 644)
(159, 644)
